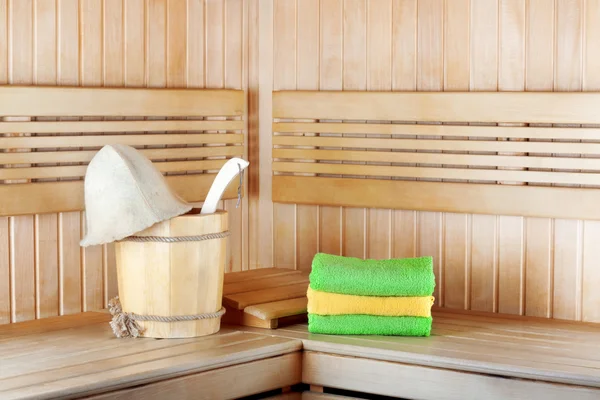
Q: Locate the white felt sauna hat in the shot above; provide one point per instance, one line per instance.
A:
(124, 194)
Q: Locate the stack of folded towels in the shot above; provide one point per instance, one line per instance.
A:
(351, 296)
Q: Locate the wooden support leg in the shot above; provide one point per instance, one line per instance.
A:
(316, 388)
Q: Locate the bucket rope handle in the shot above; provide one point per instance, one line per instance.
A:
(174, 239)
(124, 324)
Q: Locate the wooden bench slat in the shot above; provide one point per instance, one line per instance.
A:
(438, 158)
(533, 201)
(131, 140)
(410, 381)
(62, 101)
(438, 130)
(85, 156)
(118, 126)
(439, 173)
(89, 359)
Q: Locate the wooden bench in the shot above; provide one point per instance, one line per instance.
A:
(467, 356)
(78, 356)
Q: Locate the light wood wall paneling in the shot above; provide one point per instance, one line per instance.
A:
(284, 77)
(46, 225)
(539, 76)
(355, 59)
(430, 75)
(379, 78)
(331, 17)
(484, 77)
(456, 263)
(568, 233)
(5, 275)
(22, 242)
(307, 216)
(404, 77)
(533, 266)
(591, 229)
(511, 77)
(193, 43)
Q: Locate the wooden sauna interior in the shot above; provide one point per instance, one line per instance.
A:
(540, 259)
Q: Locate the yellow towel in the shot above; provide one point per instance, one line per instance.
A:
(325, 303)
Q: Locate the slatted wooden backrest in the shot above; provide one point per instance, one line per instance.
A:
(507, 153)
(49, 134)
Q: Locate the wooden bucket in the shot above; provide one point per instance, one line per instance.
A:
(183, 278)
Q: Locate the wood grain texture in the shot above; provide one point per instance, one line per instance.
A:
(115, 44)
(512, 346)
(488, 262)
(91, 361)
(349, 374)
(276, 372)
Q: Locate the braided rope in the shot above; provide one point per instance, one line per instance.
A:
(174, 239)
(124, 324)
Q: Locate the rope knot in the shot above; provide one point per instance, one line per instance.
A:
(122, 323)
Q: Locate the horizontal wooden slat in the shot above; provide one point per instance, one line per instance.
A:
(243, 300)
(85, 156)
(418, 382)
(518, 107)
(259, 284)
(278, 309)
(37, 101)
(19, 142)
(439, 130)
(260, 273)
(250, 378)
(534, 201)
(442, 173)
(437, 158)
(117, 126)
(50, 197)
(79, 170)
(451, 145)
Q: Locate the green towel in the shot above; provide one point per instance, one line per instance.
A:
(394, 277)
(361, 324)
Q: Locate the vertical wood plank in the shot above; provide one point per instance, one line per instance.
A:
(262, 234)
(511, 77)
(354, 70)
(567, 234)
(69, 224)
(307, 216)
(539, 77)
(590, 296)
(92, 75)
(284, 77)
(331, 26)
(484, 77)
(115, 70)
(5, 300)
(21, 50)
(176, 44)
(134, 30)
(156, 49)
(538, 258)
(591, 272)
(379, 78)
(404, 77)
(234, 70)
(46, 257)
(430, 78)
(456, 234)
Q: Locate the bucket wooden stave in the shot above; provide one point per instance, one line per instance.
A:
(175, 279)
